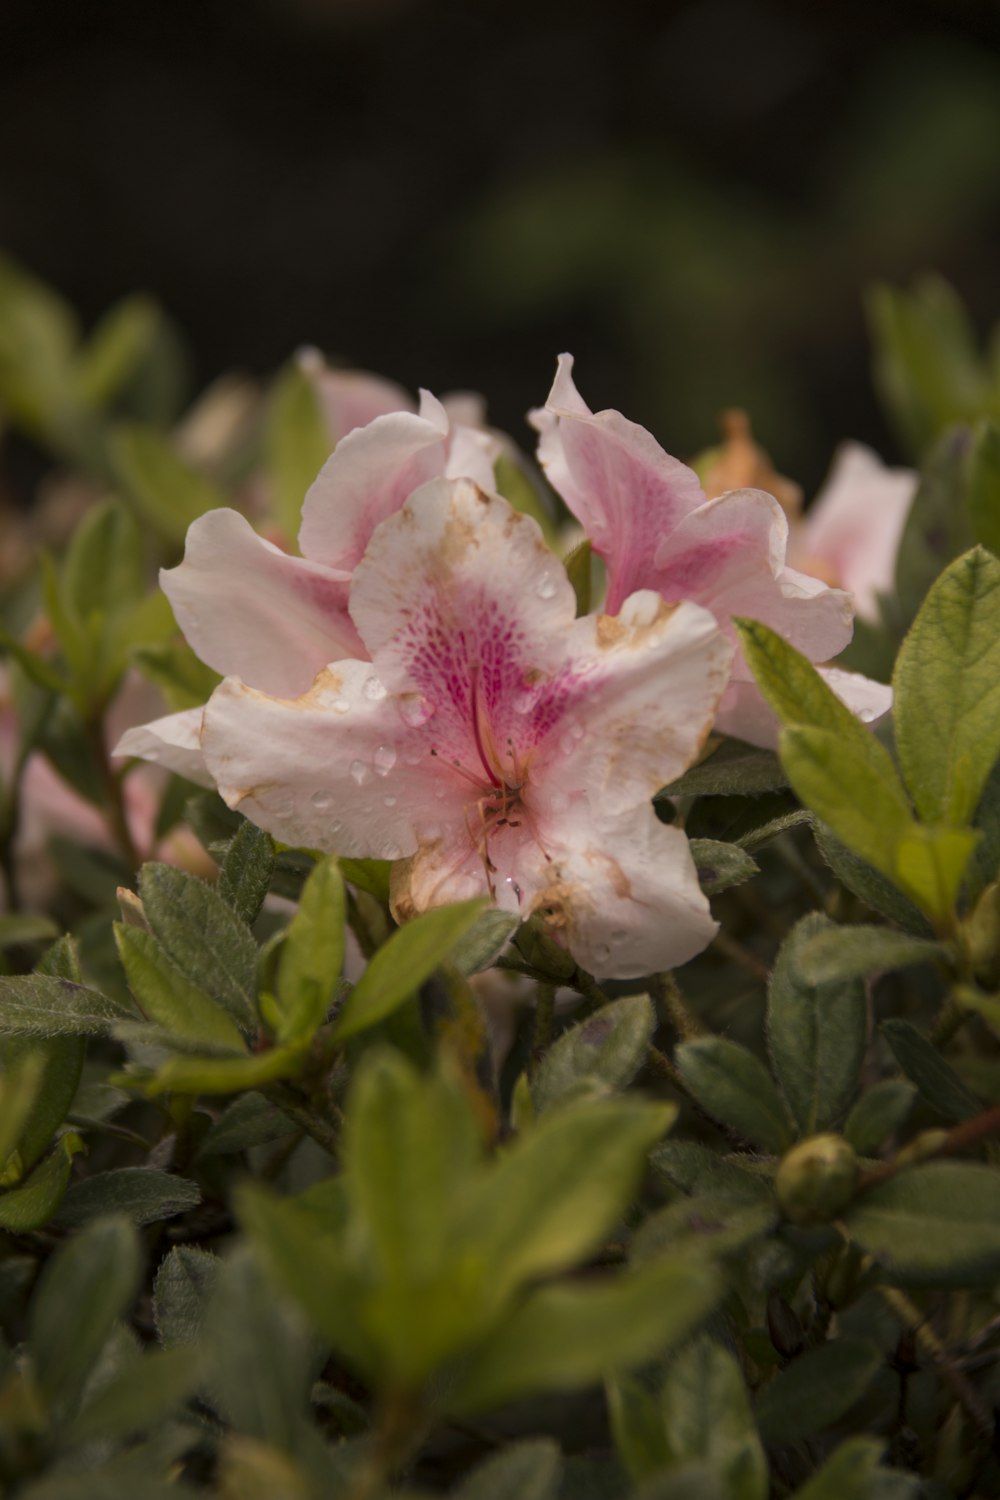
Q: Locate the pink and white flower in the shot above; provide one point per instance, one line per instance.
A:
(648, 518)
(493, 743)
(851, 533)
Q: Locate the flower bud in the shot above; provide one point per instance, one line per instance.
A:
(816, 1179)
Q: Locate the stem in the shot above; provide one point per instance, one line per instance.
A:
(739, 954)
(950, 1019)
(914, 1322)
(981, 1127)
(545, 1009)
(666, 992)
(291, 1103)
(398, 1428)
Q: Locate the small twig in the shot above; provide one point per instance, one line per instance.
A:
(290, 1102)
(666, 991)
(914, 1322)
(545, 1009)
(951, 1018)
(735, 950)
(935, 1143)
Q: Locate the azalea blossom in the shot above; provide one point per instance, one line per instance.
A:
(851, 533)
(493, 743)
(353, 398)
(648, 518)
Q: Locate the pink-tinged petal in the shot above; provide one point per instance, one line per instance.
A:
(368, 477)
(631, 709)
(472, 454)
(173, 741)
(729, 556)
(460, 603)
(351, 398)
(745, 715)
(338, 769)
(249, 609)
(616, 479)
(852, 531)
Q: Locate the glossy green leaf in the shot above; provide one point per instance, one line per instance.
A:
(938, 1083)
(245, 876)
(312, 956)
(735, 1088)
(43, 1005)
(602, 1053)
(403, 963)
(947, 691)
(86, 1286)
(817, 1389)
(933, 1225)
(816, 1031)
(203, 936)
(167, 997)
(567, 1337)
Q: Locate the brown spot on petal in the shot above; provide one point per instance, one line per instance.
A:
(610, 631)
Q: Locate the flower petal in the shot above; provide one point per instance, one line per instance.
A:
(459, 600)
(744, 714)
(868, 699)
(369, 475)
(852, 531)
(250, 609)
(337, 769)
(173, 741)
(622, 487)
(351, 398)
(729, 555)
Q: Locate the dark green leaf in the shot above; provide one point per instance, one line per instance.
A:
(844, 953)
(41, 1005)
(251, 1120)
(181, 1292)
(602, 1053)
(203, 936)
(881, 1110)
(868, 884)
(734, 1087)
(696, 1169)
(145, 1394)
(720, 866)
(141, 1194)
(983, 485)
(853, 1472)
(938, 527)
(312, 956)
(246, 872)
(706, 1412)
(26, 928)
(816, 1032)
(732, 769)
(168, 998)
(58, 1063)
(939, 1085)
(816, 1389)
(933, 1225)
(711, 1225)
(484, 941)
(528, 1470)
(33, 1202)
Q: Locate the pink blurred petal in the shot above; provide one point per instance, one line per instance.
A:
(351, 398)
(173, 741)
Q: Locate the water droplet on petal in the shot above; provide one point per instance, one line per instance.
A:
(359, 772)
(341, 705)
(602, 952)
(415, 709)
(373, 689)
(546, 586)
(385, 759)
(389, 801)
(321, 799)
(523, 701)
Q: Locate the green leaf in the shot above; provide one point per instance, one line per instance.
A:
(517, 489)
(881, 1110)
(983, 485)
(696, 1169)
(933, 1225)
(181, 1293)
(42, 1005)
(578, 570)
(763, 833)
(104, 567)
(167, 493)
(947, 691)
(33, 1202)
(145, 1394)
(561, 1187)
(38, 334)
(706, 1223)
(569, 1337)
(602, 1053)
(931, 865)
(312, 956)
(938, 1083)
(245, 876)
(841, 953)
(84, 1289)
(816, 1031)
(637, 1426)
(225, 1075)
(167, 997)
(865, 882)
(527, 1470)
(251, 1120)
(852, 1472)
(23, 928)
(817, 1389)
(733, 769)
(735, 1088)
(56, 1066)
(297, 443)
(403, 963)
(132, 357)
(261, 1365)
(484, 941)
(720, 865)
(862, 804)
(706, 1414)
(371, 875)
(173, 667)
(203, 936)
(142, 1194)
(938, 527)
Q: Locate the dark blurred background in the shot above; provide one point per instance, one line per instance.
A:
(691, 196)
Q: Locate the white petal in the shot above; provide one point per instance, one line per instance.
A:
(351, 398)
(868, 699)
(173, 741)
(250, 609)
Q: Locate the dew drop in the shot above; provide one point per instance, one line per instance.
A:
(321, 799)
(341, 706)
(523, 701)
(385, 759)
(546, 586)
(373, 689)
(415, 709)
(359, 772)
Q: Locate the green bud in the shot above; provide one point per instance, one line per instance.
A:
(816, 1179)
